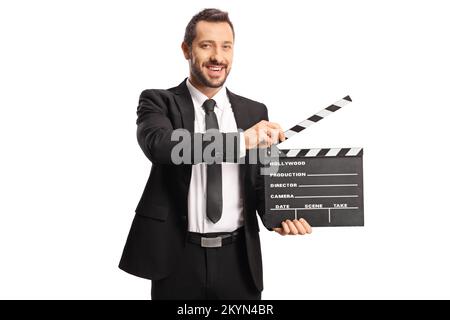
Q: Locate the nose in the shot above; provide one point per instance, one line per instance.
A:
(216, 56)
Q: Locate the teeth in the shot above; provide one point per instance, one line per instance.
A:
(215, 68)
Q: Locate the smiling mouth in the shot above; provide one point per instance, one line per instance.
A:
(215, 71)
(215, 68)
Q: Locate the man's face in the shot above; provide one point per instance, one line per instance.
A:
(211, 55)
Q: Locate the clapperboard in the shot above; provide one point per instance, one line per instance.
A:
(323, 186)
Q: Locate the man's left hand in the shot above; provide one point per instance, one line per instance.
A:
(294, 227)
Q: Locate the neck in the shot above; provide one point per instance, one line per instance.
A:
(207, 91)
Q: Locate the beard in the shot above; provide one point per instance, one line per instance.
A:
(197, 72)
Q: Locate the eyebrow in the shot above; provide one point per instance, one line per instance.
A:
(212, 41)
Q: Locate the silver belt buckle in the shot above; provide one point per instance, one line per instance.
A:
(211, 242)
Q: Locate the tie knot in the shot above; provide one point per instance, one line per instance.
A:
(209, 105)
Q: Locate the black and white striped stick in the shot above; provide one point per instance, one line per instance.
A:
(323, 152)
(317, 117)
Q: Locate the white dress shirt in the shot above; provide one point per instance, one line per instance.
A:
(232, 210)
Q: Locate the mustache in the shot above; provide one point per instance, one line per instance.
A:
(216, 64)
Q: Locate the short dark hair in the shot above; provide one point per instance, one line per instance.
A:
(210, 15)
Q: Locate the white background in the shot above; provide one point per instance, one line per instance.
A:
(72, 172)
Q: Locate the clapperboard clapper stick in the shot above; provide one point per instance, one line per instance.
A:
(322, 185)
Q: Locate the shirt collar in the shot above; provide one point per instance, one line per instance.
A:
(199, 98)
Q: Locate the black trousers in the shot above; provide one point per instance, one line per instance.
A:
(209, 273)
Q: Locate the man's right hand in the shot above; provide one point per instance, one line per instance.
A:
(263, 135)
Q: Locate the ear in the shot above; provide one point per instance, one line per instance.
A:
(185, 49)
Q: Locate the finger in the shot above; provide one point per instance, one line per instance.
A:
(279, 231)
(282, 135)
(274, 134)
(301, 229)
(273, 125)
(292, 228)
(306, 225)
(285, 227)
(262, 131)
(277, 130)
(264, 139)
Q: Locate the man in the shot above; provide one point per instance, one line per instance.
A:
(195, 232)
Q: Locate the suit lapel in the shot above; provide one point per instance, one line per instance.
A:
(185, 105)
(242, 122)
(240, 111)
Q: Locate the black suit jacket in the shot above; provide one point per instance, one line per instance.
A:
(157, 235)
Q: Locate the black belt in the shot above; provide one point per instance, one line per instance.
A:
(214, 241)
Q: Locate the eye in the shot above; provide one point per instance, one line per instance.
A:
(205, 45)
(227, 46)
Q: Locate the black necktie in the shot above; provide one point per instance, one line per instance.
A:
(213, 171)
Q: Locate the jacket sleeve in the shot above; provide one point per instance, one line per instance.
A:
(155, 129)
